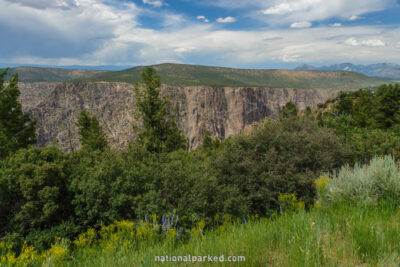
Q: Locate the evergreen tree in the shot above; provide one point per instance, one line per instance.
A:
(208, 142)
(159, 131)
(90, 132)
(290, 110)
(17, 130)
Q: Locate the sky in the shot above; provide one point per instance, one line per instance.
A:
(229, 33)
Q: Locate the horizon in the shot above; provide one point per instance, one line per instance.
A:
(274, 34)
(121, 68)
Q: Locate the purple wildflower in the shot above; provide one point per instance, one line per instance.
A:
(179, 233)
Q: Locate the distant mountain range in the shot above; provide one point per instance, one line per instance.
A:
(381, 70)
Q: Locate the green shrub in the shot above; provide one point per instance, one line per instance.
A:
(34, 191)
(280, 157)
(379, 180)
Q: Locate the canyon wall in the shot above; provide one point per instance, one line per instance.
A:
(223, 111)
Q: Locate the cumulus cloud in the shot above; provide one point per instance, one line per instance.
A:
(336, 24)
(301, 25)
(96, 33)
(155, 3)
(313, 10)
(59, 32)
(367, 42)
(226, 20)
(203, 18)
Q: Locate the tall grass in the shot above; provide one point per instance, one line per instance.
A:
(360, 226)
(340, 235)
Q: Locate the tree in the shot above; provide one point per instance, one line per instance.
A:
(388, 97)
(159, 131)
(290, 110)
(208, 142)
(90, 132)
(17, 130)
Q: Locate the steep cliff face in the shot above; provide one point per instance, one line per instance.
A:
(224, 111)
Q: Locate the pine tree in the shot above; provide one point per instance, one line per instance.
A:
(90, 132)
(17, 130)
(290, 110)
(158, 131)
(208, 142)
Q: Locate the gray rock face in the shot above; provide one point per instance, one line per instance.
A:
(224, 111)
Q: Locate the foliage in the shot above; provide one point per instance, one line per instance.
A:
(379, 180)
(344, 234)
(159, 131)
(289, 202)
(34, 192)
(367, 120)
(290, 110)
(281, 157)
(208, 142)
(102, 193)
(90, 132)
(48, 197)
(194, 75)
(17, 130)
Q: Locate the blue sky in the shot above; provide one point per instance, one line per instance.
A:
(231, 33)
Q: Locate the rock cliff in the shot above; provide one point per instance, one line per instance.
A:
(224, 111)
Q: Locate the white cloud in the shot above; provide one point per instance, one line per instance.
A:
(373, 42)
(367, 42)
(155, 3)
(398, 45)
(291, 58)
(352, 42)
(336, 24)
(283, 11)
(300, 25)
(354, 17)
(47, 4)
(203, 18)
(226, 20)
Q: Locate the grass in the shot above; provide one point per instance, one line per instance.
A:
(341, 235)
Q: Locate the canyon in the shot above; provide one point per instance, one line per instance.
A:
(223, 111)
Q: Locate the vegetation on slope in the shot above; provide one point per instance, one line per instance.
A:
(367, 120)
(34, 74)
(193, 75)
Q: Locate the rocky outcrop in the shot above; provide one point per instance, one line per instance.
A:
(224, 111)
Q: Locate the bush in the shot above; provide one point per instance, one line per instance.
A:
(280, 157)
(102, 193)
(34, 192)
(367, 184)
